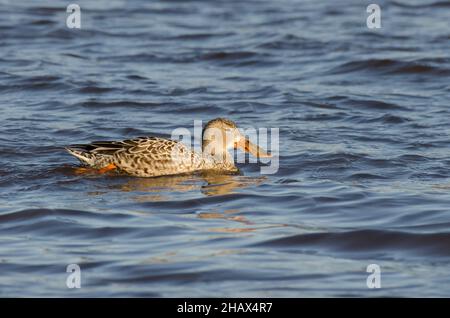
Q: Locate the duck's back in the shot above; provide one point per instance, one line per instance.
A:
(143, 156)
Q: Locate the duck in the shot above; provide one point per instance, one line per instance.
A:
(154, 156)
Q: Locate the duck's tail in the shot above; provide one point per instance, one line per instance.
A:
(82, 154)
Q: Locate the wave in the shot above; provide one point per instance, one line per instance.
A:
(201, 36)
(364, 243)
(220, 58)
(79, 224)
(34, 83)
(37, 214)
(388, 119)
(389, 66)
(122, 103)
(237, 58)
(292, 42)
(437, 4)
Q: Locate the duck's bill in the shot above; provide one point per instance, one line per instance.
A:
(246, 145)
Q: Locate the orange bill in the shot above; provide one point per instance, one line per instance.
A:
(246, 145)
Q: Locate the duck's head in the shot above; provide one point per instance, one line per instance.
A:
(221, 135)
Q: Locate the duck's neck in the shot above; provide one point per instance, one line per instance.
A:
(222, 161)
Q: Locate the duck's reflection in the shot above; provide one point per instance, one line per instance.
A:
(157, 189)
(221, 184)
(243, 226)
(228, 215)
(164, 188)
(172, 188)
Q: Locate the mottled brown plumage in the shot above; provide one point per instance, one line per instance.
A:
(153, 156)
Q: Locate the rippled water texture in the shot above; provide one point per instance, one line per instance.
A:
(364, 148)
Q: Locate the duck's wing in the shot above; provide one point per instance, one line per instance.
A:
(153, 148)
(129, 146)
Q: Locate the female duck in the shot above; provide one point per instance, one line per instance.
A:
(153, 156)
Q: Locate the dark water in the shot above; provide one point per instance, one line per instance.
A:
(364, 171)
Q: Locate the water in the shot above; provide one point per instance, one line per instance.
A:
(364, 171)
